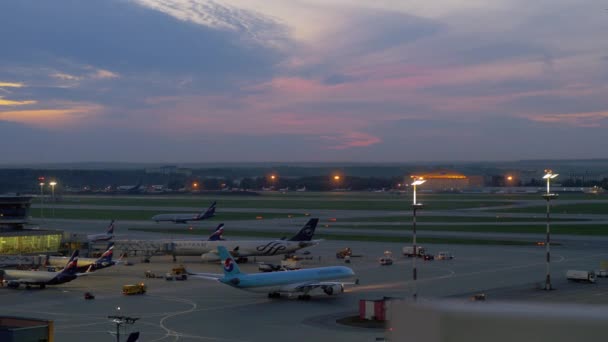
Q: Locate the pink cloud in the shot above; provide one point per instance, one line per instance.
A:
(585, 119)
(350, 140)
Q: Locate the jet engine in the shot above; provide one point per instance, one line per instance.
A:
(333, 289)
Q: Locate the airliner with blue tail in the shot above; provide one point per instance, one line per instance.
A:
(300, 282)
(185, 218)
(246, 248)
(14, 278)
(107, 236)
(86, 264)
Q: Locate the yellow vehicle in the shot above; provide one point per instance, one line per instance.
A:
(134, 289)
(178, 273)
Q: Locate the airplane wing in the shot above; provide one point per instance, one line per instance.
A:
(325, 285)
(87, 272)
(206, 276)
(24, 281)
(321, 284)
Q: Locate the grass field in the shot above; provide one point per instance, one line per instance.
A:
(274, 202)
(248, 233)
(535, 228)
(421, 218)
(579, 208)
(130, 215)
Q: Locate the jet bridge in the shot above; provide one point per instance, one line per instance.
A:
(144, 248)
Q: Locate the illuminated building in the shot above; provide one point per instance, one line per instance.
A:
(449, 181)
(14, 239)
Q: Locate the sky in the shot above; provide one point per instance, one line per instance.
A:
(302, 80)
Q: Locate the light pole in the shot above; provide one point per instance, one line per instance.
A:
(337, 181)
(52, 184)
(548, 196)
(415, 206)
(41, 199)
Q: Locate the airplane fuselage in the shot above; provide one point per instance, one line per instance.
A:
(177, 218)
(244, 248)
(100, 237)
(37, 277)
(286, 281)
(83, 263)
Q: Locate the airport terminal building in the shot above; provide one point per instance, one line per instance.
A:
(450, 181)
(15, 238)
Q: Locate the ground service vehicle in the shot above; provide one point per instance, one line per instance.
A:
(179, 273)
(387, 259)
(290, 264)
(344, 252)
(444, 256)
(134, 289)
(576, 275)
(408, 251)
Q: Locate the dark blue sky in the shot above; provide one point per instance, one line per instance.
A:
(336, 80)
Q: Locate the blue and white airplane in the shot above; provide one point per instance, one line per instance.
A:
(107, 236)
(246, 248)
(185, 218)
(301, 282)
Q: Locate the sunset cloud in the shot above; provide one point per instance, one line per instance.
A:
(332, 80)
(11, 85)
(53, 118)
(5, 102)
(588, 119)
(101, 74)
(65, 77)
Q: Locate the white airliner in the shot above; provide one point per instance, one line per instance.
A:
(185, 218)
(14, 278)
(107, 236)
(245, 248)
(301, 282)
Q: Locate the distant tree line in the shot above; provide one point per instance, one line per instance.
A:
(313, 179)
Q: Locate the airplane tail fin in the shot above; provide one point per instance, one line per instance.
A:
(231, 268)
(72, 264)
(217, 234)
(107, 255)
(210, 212)
(110, 230)
(307, 232)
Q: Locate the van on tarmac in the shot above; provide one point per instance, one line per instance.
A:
(577, 275)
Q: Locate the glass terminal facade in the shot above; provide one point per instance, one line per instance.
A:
(27, 243)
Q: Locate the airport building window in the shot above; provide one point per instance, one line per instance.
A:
(27, 244)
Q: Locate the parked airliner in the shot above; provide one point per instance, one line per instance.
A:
(246, 248)
(14, 278)
(105, 260)
(301, 282)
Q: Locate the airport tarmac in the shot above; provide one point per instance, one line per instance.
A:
(199, 310)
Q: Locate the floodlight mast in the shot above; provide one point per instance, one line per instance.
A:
(415, 206)
(548, 196)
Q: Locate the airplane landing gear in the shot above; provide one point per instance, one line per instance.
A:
(274, 295)
(304, 297)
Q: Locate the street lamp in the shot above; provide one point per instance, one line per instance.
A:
(415, 206)
(41, 199)
(548, 196)
(52, 184)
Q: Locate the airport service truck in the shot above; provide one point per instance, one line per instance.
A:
(576, 275)
(134, 289)
(408, 251)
